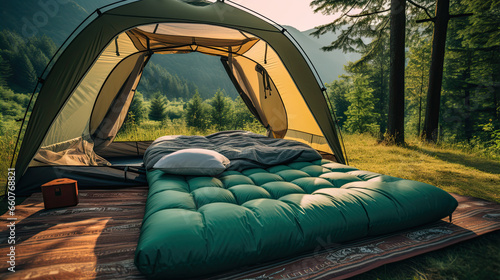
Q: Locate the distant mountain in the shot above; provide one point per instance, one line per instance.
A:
(204, 71)
(328, 64)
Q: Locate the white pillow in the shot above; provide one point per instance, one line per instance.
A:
(197, 162)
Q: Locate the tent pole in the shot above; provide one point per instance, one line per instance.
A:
(22, 123)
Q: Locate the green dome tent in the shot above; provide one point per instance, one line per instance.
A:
(85, 96)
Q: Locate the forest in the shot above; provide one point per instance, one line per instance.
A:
(469, 107)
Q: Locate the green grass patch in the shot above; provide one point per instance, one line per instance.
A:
(150, 130)
(448, 168)
(7, 143)
(8, 136)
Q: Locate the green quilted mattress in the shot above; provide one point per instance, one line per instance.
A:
(195, 226)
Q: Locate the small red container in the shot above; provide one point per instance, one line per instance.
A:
(60, 193)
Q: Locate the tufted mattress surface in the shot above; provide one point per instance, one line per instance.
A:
(200, 225)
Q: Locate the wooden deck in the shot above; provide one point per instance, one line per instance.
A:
(95, 239)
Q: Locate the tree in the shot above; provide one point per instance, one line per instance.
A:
(337, 93)
(353, 26)
(430, 131)
(25, 77)
(481, 35)
(221, 110)
(371, 22)
(175, 111)
(395, 117)
(416, 84)
(197, 112)
(5, 72)
(361, 115)
(157, 108)
(137, 111)
(471, 91)
(12, 105)
(156, 78)
(25, 57)
(374, 65)
(241, 115)
(379, 81)
(2, 128)
(129, 122)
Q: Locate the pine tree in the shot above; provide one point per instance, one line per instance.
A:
(371, 22)
(129, 122)
(221, 111)
(374, 65)
(361, 115)
(136, 113)
(25, 77)
(197, 112)
(337, 93)
(137, 108)
(5, 72)
(471, 92)
(157, 108)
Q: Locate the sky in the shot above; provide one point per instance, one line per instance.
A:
(296, 13)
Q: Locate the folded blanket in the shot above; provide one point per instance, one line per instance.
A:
(244, 149)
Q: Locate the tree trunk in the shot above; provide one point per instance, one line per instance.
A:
(431, 122)
(395, 122)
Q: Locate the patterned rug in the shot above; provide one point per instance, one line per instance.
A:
(97, 238)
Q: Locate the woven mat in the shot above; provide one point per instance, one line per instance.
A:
(97, 238)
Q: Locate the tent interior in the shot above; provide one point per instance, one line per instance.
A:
(82, 131)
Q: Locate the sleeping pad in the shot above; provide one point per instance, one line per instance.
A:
(194, 226)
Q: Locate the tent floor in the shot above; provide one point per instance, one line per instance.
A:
(135, 161)
(97, 239)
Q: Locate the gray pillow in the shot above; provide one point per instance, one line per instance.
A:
(196, 162)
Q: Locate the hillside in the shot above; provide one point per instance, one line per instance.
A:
(203, 71)
(56, 19)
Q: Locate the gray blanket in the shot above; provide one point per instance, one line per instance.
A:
(244, 149)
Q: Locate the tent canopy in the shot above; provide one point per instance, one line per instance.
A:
(86, 95)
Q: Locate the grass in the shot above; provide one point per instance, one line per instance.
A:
(7, 143)
(150, 130)
(453, 170)
(449, 169)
